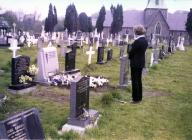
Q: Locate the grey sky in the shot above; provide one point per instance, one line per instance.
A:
(88, 6)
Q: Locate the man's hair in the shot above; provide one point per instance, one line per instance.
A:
(139, 30)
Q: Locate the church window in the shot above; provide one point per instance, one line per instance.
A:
(158, 29)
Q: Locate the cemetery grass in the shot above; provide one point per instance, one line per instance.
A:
(164, 114)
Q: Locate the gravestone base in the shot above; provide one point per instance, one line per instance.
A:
(123, 86)
(22, 89)
(102, 62)
(79, 126)
(145, 71)
(75, 71)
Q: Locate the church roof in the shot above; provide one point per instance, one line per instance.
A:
(176, 21)
(130, 18)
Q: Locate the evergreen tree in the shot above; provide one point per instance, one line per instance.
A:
(55, 16)
(51, 19)
(117, 23)
(189, 25)
(100, 19)
(90, 26)
(46, 25)
(71, 19)
(83, 22)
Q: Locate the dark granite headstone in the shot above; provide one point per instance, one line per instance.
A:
(109, 54)
(73, 47)
(79, 101)
(91, 41)
(70, 61)
(121, 43)
(81, 117)
(100, 55)
(20, 66)
(25, 125)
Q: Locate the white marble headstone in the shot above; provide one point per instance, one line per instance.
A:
(48, 64)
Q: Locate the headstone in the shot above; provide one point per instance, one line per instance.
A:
(124, 71)
(97, 44)
(145, 69)
(48, 64)
(109, 54)
(86, 40)
(19, 67)
(122, 51)
(100, 55)
(156, 56)
(181, 45)
(25, 125)
(73, 47)
(81, 117)
(63, 48)
(70, 61)
(90, 53)
(21, 40)
(40, 43)
(152, 59)
(153, 41)
(108, 42)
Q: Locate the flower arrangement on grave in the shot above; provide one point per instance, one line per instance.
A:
(61, 79)
(29, 77)
(33, 70)
(24, 79)
(66, 79)
(99, 81)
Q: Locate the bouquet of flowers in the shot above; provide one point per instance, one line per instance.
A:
(24, 79)
(99, 81)
(33, 70)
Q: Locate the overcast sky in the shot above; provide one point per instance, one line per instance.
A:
(88, 6)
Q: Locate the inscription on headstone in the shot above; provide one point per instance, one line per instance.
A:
(20, 66)
(25, 125)
(79, 101)
(82, 96)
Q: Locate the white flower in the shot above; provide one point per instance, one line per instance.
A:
(24, 79)
(33, 70)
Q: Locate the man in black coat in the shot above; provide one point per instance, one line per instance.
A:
(137, 62)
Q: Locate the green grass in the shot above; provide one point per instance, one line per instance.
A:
(166, 116)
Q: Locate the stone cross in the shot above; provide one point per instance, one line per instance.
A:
(90, 53)
(14, 47)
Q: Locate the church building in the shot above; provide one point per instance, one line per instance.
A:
(156, 19)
